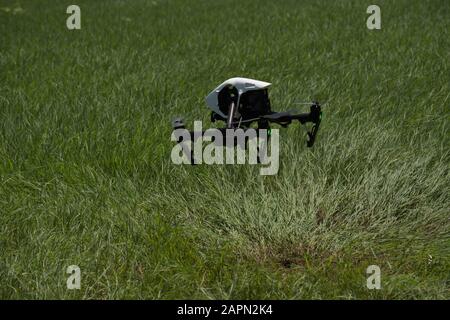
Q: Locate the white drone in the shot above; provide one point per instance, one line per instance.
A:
(239, 102)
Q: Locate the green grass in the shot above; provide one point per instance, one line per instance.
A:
(86, 176)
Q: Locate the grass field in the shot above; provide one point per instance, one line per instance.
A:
(86, 177)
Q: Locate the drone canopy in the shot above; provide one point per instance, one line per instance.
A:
(244, 92)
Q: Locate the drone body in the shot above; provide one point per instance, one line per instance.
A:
(239, 102)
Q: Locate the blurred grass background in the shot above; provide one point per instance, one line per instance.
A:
(86, 176)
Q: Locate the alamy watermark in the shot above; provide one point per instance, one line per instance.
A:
(374, 278)
(74, 280)
(73, 22)
(227, 146)
(374, 20)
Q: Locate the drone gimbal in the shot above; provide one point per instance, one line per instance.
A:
(239, 102)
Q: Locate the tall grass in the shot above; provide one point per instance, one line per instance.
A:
(86, 176)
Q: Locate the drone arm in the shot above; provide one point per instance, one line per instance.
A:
(288, 117)
(282, 118)
(314, 116)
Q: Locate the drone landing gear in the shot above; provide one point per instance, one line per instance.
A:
(192, 137)
(283, 119)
